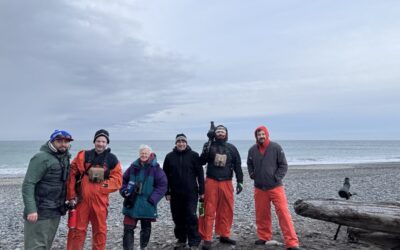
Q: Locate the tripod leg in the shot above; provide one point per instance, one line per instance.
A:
(337, 232)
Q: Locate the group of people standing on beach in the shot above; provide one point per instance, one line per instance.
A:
(53, 184)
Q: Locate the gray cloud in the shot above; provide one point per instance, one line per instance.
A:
(75, 66)
(149, 69)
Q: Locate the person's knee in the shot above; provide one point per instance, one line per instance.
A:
(146, 228)
(77, 233)
(129, 227)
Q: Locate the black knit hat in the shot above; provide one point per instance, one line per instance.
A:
(102, 132)
(180, 137)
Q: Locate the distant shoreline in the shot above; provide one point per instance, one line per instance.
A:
(9, 179)
(331, 166)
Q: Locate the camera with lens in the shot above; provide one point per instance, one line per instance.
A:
(211, 131)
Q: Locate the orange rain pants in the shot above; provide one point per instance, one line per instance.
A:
(94, 205)
(218, 204)
(277, 196)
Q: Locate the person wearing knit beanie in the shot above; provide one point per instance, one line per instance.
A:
(185, 186)
(100, 173)
(223, 162)
(102, 132)
(180, 137)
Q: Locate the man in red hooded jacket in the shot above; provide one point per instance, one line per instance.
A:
(267, 166)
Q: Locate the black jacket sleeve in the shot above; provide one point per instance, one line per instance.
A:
(282, 165)
(237, 164)
(199, 173)
(205, 153)
(250, 165)
(167, 171)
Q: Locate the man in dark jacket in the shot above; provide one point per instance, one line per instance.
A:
(185, 184)
(44, 191)
(267, 166)
(222, 160)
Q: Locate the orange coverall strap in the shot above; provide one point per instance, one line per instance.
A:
(77, 168)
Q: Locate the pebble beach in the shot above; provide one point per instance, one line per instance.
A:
(371, 182)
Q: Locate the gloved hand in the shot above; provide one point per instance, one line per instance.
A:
(211, 134)
(252, 176)
(71, 203)
(126, 193)
(206, 147)
(239, 188)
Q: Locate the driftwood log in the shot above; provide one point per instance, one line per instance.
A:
(372, 216)
(388, 241)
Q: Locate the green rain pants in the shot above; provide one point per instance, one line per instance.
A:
(40, 235)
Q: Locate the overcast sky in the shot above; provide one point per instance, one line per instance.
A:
(151, 69)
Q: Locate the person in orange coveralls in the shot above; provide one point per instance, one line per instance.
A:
(99, 173)
(267, 166)
(222, 160)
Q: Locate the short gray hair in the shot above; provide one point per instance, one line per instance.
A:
(143, 147)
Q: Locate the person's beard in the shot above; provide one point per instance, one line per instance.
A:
(62, 150)
(220, 137)
(261, 141)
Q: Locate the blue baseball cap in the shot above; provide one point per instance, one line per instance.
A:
(60, 134)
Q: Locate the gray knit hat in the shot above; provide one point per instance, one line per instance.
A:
(180, 137)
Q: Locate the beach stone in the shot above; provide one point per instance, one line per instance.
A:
(374, 182)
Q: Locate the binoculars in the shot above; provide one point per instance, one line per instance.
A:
(138, 188)
(134, 188)
(344, 192)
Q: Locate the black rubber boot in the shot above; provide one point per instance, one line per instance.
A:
(206, 245)
(129, 236)
(260, 242)
(145, 232)
(179, 245)
(227, 240)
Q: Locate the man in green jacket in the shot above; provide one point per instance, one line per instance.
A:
(44, 191)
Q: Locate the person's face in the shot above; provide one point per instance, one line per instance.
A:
(61, 144)
(181, 145)
(144, 154)
(220, 134)
(100, 144)
(261, 136)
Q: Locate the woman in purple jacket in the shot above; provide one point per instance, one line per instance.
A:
(144, 184)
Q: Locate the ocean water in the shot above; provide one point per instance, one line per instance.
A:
(15, 155)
